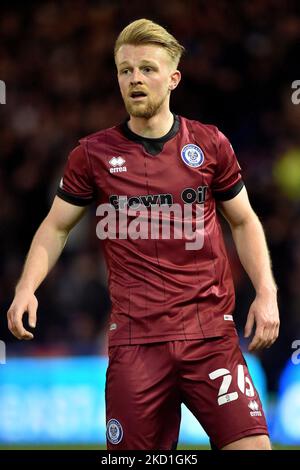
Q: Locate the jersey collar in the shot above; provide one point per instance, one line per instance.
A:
(152, 145)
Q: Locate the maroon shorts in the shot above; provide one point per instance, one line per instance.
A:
(147, 383)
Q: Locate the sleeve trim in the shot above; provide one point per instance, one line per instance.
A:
(75, 200)
(229, 193)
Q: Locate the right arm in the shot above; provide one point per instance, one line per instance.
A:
(45, 250)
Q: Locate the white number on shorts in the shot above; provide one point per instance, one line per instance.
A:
(243, 382)
(223, 396)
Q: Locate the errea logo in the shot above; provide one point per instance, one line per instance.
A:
(117, 165)
(254, 407)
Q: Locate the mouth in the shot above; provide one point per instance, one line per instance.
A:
(137, 95)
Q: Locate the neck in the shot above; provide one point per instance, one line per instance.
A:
(155, 127)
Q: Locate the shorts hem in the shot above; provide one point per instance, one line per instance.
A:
(240, 435)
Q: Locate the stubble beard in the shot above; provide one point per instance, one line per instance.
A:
(144, 110)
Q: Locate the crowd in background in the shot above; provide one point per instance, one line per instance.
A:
(56, 59)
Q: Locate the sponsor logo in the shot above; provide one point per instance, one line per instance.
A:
(114, 431)
(135, 202)
(188, 196)
(192, 155)
(117, 165)
(254, 407)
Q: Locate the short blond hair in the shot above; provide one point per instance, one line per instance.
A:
(145, 31)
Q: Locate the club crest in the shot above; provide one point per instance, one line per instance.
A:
(192, 155)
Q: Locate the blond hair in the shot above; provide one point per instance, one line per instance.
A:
(144, 31)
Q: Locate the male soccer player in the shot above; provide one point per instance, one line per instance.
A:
(172, 338)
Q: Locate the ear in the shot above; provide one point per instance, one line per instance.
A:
(174, 80)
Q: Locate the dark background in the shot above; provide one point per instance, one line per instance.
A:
(56, 59)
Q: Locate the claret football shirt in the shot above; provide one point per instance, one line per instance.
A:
(160, 289)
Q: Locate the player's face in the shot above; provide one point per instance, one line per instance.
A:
(146, 76)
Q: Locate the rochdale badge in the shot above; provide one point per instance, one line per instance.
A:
(114, 431)
(192, 155)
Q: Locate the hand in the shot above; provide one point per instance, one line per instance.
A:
(24, 301)
(264, 313)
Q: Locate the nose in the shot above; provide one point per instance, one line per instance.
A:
(136, 77)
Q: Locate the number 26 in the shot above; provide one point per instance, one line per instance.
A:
(243, 383)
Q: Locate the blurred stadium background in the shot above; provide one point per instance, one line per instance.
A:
(56, 60)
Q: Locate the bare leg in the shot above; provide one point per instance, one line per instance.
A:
(259, 442)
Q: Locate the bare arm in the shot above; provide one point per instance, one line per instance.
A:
(252, 249)
(45, 250)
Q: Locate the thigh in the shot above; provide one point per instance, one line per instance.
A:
(142, 401)
(218, 389)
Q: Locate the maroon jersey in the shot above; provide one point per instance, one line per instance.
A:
(160, 290)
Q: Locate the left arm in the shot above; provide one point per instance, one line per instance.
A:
(253, 252)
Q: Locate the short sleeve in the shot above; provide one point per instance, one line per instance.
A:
(76, 185)
(227, 182)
